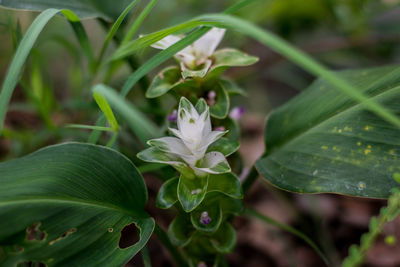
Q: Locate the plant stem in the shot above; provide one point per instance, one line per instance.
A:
(255, 214)
(250, 179)
(176, 255)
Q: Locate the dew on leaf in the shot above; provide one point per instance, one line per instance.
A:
(361, 186)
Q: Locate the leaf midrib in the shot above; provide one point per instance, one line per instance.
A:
(77, 202)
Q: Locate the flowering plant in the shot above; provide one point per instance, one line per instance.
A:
(74, 204)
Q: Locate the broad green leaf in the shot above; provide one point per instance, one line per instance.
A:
(224, 240)
(66, 205)
(229, 57)
(167, 195)
(225, 146)
(221, 107)
(107, 9)
(226, 183)
(191, 191)
(180, 231)
(324, 141)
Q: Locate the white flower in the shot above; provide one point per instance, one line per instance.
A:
(199, 52)
(189, 147)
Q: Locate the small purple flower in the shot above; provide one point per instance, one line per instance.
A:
(173, 116)
(211, 97)
(204, 218)
(236, 113)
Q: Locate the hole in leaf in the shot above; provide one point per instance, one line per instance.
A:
(129, 236)
(34, 233)
(64, 235)
(31, 264)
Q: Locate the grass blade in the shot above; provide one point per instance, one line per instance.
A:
(90, 127)
(15, 69)
(284, 48)
(80, 34)
(135, 26)
(140, 125)
(255, 214)
(105, 107)
(114, 29)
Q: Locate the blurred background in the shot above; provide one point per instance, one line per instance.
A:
(341, 34)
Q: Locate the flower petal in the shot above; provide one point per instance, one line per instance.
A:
(211, 138)
(213, 162)
(206, 45)
(153, 154)
(166, 42)
(170, 144)
(175, 146)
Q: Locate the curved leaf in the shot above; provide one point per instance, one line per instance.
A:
(107, 9)
(323, 141)
(191, 191)
(221, 107)
(168, 196)
(66, 205)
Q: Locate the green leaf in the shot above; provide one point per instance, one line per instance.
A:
(65, 202)
(283, 47)
(166, 80)
(214, 213)
(115, 27)
(224, 240)
(105, 107)
(139, 20)
(221, 107)
(229, 57)
(107, 9)
(19, 59)
(226, 183)
(232, 88)
(191, 191)
(167, 195)
(140, 125)
(180, 231)
(324, 141)
(200, 72)
(225, 146)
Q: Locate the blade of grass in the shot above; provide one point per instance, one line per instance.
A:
(114, 29)
(138, 122)
(255, 214)
(135, 26)
(15, 69)
(90, 127)
(80, 34)
(105, 107)
(308, 63)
